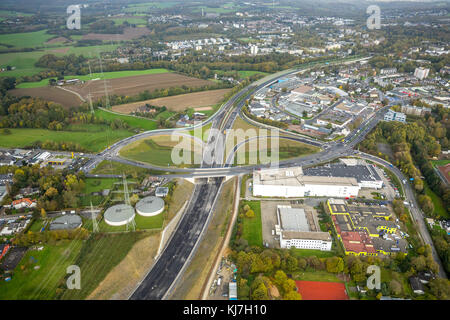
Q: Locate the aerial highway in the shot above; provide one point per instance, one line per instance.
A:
(169, 267)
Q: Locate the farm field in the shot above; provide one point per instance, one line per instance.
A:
(148, 6)
(139, 21)
(26, 39)
(60, 96)
(156, 150)
(196, 100)
(134, 85)
(128, 34)
(24, 61)
(105, 75)
(92, 141)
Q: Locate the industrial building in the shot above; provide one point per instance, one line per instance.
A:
(296, 229)
(66, 222)
(365, 230)
(364, 173)
(119, 215)
(150, 206)
(340, 180)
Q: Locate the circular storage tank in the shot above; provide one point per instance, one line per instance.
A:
(119, 215)
(150, 206)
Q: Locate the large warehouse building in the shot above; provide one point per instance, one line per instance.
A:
(364, 173)
(296, 229)
(291, 182)
(339, 180)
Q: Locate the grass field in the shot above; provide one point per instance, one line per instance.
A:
(243, 73)
(286, 149)
(439, 208)
(316, 275)
(99, 255)
(252, 227)
(438, 163)
(133, 122)
(24, 61)
(148, 6)
(94, 140)
(158, 151)
(117, 168)
(105, 75)
(142, 223)
(31, 284)
(26, 39)
(95, 185)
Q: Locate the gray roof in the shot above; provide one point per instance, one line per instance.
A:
(119, 213)
(359, 172)
(150, 204)
(293, 219)
(66, 222)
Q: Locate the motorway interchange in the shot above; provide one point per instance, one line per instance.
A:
(162, 277)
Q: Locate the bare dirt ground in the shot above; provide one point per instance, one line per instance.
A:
(61, 50)
(57, 40)
(136, 84)
(64, 98)
(128, 34)
(200, 101)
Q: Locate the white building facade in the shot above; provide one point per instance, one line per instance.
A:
(292, 183)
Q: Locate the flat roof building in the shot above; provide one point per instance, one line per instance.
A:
(295, 230)
(291, 182)
(365, 230)
(364, 173)
(66, 222)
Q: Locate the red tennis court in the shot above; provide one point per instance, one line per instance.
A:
(316, 290)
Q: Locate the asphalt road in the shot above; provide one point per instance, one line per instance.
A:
(166, 269)
(175, 257)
